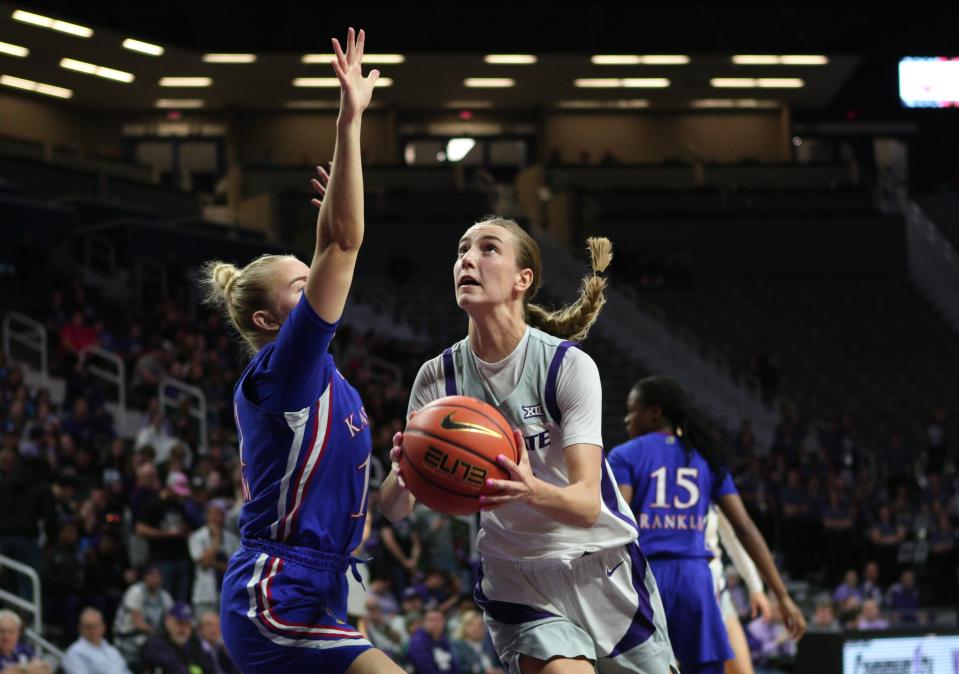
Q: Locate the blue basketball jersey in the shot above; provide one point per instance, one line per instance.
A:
(304, 442)
(672, 492)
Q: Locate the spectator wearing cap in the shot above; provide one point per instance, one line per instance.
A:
(175, 648)
(17, 657)
(164, 525)
(140, 613)
(412, 602)
(430, 651)
(91, 653)
(23, 502)
(211, 547)
(211, 638)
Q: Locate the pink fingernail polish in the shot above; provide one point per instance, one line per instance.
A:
(489, 483)
(482, 499)
(500, 458)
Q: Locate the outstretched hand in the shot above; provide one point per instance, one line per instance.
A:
(356, 91)
(320, 184)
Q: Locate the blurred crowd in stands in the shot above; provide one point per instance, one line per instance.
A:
(131, 535)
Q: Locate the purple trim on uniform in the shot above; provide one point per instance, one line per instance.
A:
(449, 372)
(641, 628)
(504, 611)
(551, 377)
(610, 494)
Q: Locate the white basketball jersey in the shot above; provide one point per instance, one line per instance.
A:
(516, 531)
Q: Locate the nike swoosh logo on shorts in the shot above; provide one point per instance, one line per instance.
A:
(610, 572)
(450, 424)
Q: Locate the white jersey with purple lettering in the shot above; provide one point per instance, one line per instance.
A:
(552, 393)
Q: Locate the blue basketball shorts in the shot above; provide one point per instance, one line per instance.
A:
(696, 628)
(283, 609)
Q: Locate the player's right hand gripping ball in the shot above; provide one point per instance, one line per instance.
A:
(449, 451)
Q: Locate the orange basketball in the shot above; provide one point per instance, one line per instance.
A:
(449, 451)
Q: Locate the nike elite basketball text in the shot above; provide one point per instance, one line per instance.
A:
(449, 451)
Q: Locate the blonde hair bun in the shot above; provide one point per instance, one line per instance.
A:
(224, 274)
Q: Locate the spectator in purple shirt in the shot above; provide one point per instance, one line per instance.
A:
(837, 525)
(848, 588)
(430, 651)
(871, 618)
(768, 637)
(903, 598)
(16, 656)
(884, 538)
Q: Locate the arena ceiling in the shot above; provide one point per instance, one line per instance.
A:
(445, 43)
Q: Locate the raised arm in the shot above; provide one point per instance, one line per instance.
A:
(339, 226)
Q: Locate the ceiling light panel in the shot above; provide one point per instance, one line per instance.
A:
(53, 24)
(186, 81)
(229, 58)
(785, 60)
(330, 82)
(143, 47)
(368, 59)
(489, 82)
(510, 59)
(13, 50)
(99, 71)
(639, 59)
(620, 82)
(38, 87)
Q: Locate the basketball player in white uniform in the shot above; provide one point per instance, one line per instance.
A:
(563, 584)
(719, 532)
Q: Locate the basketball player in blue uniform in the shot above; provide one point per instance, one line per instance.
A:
(564, 586)
(303, 433)
(670, 473)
